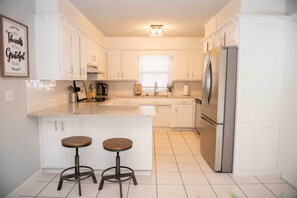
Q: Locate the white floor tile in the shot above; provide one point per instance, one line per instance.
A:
(167, 167)
(113, 191)
(51, 190)
(182, 151)
(185, 159)
(143, 191)
(189, 168)
(45, 176)
(200, 159)
(171, 191)
(177, 141)
(228, 191)
(282, 190)
(200, 191)
(206, 168)
(32, 188)
(163, 145)
(245, 179)
(270, 179)
(168, 178)
(194, 178)
(179, 146)
(165, 159)
(164, 152)
(88, 190)
(146, 179)
(193, 141)
(219, 178)
(256, 191)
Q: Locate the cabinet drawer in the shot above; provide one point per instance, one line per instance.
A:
(154, 102)
(183, 102)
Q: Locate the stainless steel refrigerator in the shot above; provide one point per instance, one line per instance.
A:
(218, 107)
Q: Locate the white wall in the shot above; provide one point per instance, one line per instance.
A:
(270, 7)
(19, 141)
(288, 146)
(149, 43)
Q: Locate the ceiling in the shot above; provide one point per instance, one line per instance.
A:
(180, 18)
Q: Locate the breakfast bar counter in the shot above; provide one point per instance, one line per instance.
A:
(100, 122)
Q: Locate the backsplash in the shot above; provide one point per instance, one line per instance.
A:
(46, 94)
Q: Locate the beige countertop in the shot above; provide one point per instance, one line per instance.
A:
(96, 109)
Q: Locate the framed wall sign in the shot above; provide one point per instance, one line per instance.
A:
(14, 57)
(80, 89)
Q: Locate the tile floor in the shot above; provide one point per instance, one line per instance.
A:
(179, 172)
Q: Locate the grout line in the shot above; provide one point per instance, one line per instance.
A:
(47, 184)
(177, 163)
(237, 185)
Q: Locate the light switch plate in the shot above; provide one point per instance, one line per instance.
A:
(9, 96)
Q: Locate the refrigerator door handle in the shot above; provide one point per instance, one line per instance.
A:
(210, 86)
(205, 82)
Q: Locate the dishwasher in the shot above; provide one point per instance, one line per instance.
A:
(198, 103)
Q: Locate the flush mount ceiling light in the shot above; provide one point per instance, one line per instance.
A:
(156, 30)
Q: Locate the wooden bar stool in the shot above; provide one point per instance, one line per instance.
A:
(117, 145)
(77, 142)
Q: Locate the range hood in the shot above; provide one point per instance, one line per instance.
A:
(91, 69)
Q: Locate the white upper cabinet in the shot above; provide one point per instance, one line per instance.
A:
(130, 65)
(92, 53)
(59, 52)
(123, 65)
(188, 65)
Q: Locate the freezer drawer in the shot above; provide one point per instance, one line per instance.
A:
(211, 136)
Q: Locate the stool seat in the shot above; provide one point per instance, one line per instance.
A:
(76, 141)
(117, 144)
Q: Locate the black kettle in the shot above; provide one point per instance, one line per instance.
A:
(102, 89)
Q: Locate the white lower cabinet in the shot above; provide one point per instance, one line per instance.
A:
(162, 117)
(52, 131)
(182, 116)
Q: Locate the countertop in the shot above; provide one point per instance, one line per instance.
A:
(96, 109)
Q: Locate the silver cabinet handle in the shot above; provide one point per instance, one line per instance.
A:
(56, 127)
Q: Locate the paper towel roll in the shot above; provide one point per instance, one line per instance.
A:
(186, 90)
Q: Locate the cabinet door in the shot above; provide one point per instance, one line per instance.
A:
(183, 116)
(66, 69)
(162, 116)
(92, 53)
(114, 65)
(83, 57)
(130, 66)
(103, 63)
(68, 127)
(75, 54)
(181, 66)
(196, 66)
(50, 143)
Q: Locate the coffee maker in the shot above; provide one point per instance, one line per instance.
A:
(102, 89)
(102, 92)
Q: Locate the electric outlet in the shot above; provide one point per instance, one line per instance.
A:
(9, 96)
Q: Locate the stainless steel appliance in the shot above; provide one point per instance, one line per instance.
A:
(102, 89)
(218, 107)
(198, 114)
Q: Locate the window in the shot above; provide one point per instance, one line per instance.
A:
(155, 68)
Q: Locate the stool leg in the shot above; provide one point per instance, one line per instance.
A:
(101, 183)
(94, 178)
(134, 179)
(77, 172)
(60, 183)
(120, 183)
(118, 172)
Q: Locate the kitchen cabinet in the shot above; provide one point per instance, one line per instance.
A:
(188, 65)
(52, 131)
(183, 112)
(92, 52)
(59, 49)
(123, 65)
(162, 117)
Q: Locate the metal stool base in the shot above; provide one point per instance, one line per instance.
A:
(117, 177)
(77, 175)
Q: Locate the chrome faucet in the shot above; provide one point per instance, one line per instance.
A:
(155, 88)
